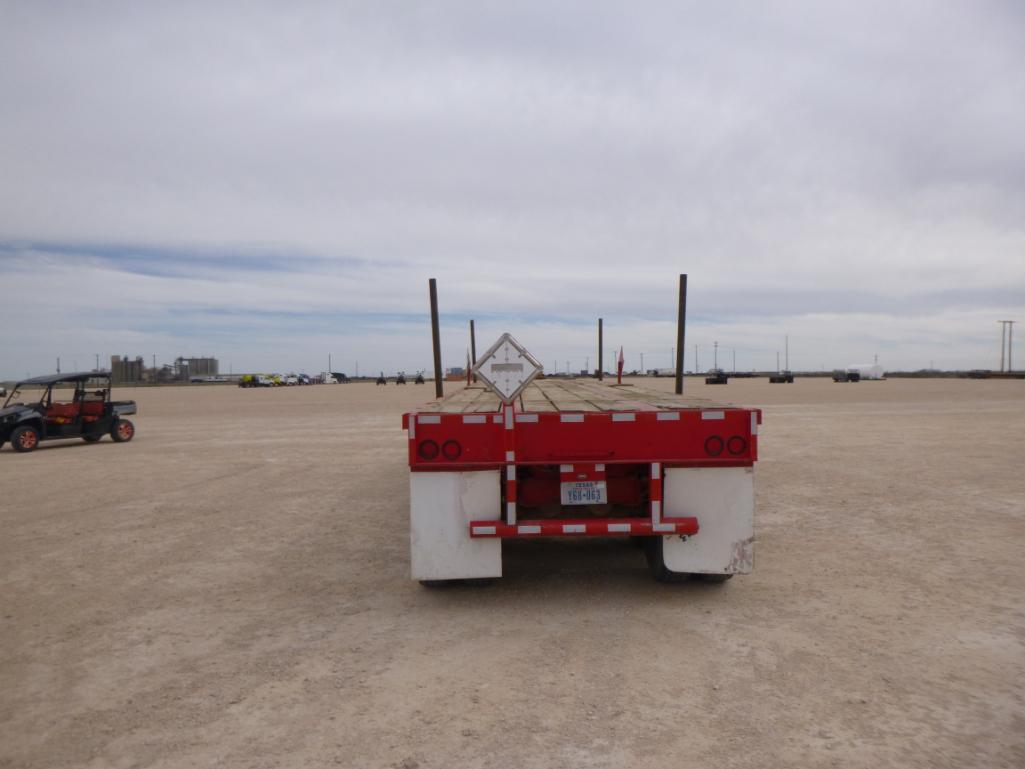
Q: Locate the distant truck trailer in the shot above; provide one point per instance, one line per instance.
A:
(519, 458)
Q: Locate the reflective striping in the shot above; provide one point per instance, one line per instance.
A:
(754, 423)
(508, 418)
(510, 456)
(429, 419)
(571, 417)
(497, 419)
(578, 527)
(474, 419)
(656, 470)
(510, 509)
(412, 428)
(713, 414)
(600, 468)
(668, 416)
(526, 417)
(510, 473)
(623, 417)
(565, 468)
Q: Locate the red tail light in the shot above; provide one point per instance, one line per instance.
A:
(427, 450)
(736, 445)
(451, 450)
(713, 446)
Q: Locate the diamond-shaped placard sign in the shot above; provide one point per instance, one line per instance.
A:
(507, 368)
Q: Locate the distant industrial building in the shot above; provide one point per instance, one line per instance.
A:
(184, 368)
(125, 370)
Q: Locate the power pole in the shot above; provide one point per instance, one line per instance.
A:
(715, 355)
(786, 342)
(473, 349)
(59, 363)
(601, 367)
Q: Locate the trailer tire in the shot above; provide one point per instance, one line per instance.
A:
(438, 583)
(657, 564)
(716, 579)
(91, 438)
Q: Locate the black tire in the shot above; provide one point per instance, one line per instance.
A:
(25, 438)
(91, 438)
(716, 579)
(657, 565)
(438, 583)
(122, 431)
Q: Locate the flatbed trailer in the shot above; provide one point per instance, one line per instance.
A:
(577, 458)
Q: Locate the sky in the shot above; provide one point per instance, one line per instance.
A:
(274, 183)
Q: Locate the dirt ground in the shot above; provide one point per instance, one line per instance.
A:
(231, 589)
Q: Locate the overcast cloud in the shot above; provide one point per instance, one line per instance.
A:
(273, 183)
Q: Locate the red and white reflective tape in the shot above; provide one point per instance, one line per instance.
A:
(655, 495)
(510, 469)
(592, 527)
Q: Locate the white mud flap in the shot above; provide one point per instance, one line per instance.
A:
(722, 499)
(441, 506)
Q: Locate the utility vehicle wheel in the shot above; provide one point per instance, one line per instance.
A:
(717, 579)
(25, 438)
(91, 438)
(657, 565)
(122, 430)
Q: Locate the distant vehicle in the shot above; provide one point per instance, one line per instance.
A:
(419, 379)
(340, 377)
(866, 371)
(290, 380)
(716, 376)
(846, 376)
(381, 380)
(400, 379)
(783, 377)
(89, 414)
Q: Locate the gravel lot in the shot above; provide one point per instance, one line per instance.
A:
(231, 589)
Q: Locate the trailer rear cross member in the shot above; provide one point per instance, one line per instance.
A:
(571, 458)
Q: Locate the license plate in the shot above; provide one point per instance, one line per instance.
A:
(584, 493)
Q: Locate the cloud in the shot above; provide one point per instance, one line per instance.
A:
(274, 183)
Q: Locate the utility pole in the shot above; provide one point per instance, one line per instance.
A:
(696, 369)
(786, 342)
(1003, 341)
(59, 363)
(329, 363)
(97, 362)
(642, 364)
(734, 360)
(715, 355)
(601, 366)
(777, 361)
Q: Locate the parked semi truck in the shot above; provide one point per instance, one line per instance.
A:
(515, 457)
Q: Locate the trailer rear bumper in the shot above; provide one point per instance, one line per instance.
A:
(588, 527)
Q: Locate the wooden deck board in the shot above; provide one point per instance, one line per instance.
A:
(557, 395)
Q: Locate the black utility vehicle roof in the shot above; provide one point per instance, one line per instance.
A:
(78, 376)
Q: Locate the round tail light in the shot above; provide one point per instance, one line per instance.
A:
(736, 445)
(451, 450)
(713, 445)
(427, 450)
